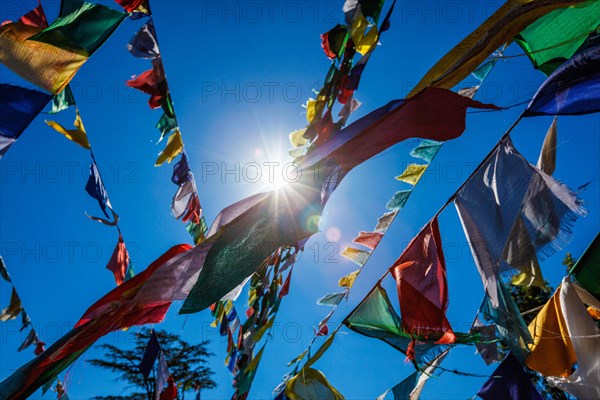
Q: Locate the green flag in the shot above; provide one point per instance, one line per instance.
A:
(554, 38)
(587, 268)
(82, 30)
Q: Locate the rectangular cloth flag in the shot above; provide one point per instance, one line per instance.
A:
(554, 38)
(81, 27)
(14, 307)
(368, 239)
(152, 82)
(572, 89)
(507, 323)
(509, 382)
(420, 274)
(311, 384)
(584, 382)
(144, 44)
(500, 28)
(77, 135)
(119, 261)
(150, 355)
(587, 269)
(504, 189)
(42, 64)
(18, 107)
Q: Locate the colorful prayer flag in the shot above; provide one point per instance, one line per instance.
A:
(572, 89)
(82, 30)
(510, 382)
(119, 261)
(77, 135)
(412, 174)
(420, 274)
(42, 64)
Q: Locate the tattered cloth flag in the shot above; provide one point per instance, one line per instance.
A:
(584, 382)
(18, 107)
(412, 174)
(47, 66)
(398, 200)
(311, 384)
(173, 148)
(402, 390)
(150, 355)
(81, 27)
(411, 387)
(504, 189)
(162, 375)
(334, 41)
(509, 381)
(500, 28)
(368, 239)
(119, 261)
(572, 89)
(77, 135)
(264, 221)
(565, 333)
(62, 100)
(131, 5)
(359, 257)
(143, 44)
(95, 188)
(426, 150)
(507, 323)
(152, 82)
(420, 275)
(547, 160)
(3, 271)
(587, 269)
(554, 38)
(14, 307)
(376, 318)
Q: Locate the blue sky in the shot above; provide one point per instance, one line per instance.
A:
(239, 72)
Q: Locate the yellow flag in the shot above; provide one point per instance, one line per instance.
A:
(552, 352)
(311, 384)
(76, 135)
(173, 148)
(314, 108)
(500, 28)
(363, 43)
(412, 173)
(348, 280)
(297, 139)
(42, 64)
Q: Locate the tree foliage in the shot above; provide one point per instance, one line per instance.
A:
(188, 364)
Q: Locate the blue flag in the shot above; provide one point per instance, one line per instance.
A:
(18, 107)
(572, 89)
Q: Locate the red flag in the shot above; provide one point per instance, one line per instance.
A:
(170, 392)
(368, 239)
(420, 275)
(152, 82)
(130, 5)
(119, 261)
(35, 17)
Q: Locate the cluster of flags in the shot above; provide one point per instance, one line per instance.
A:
(14, 309)
(144, 44)
(165, 386)
(511, 211)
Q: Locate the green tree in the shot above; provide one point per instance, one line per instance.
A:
(530, 300)
(187, 364)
